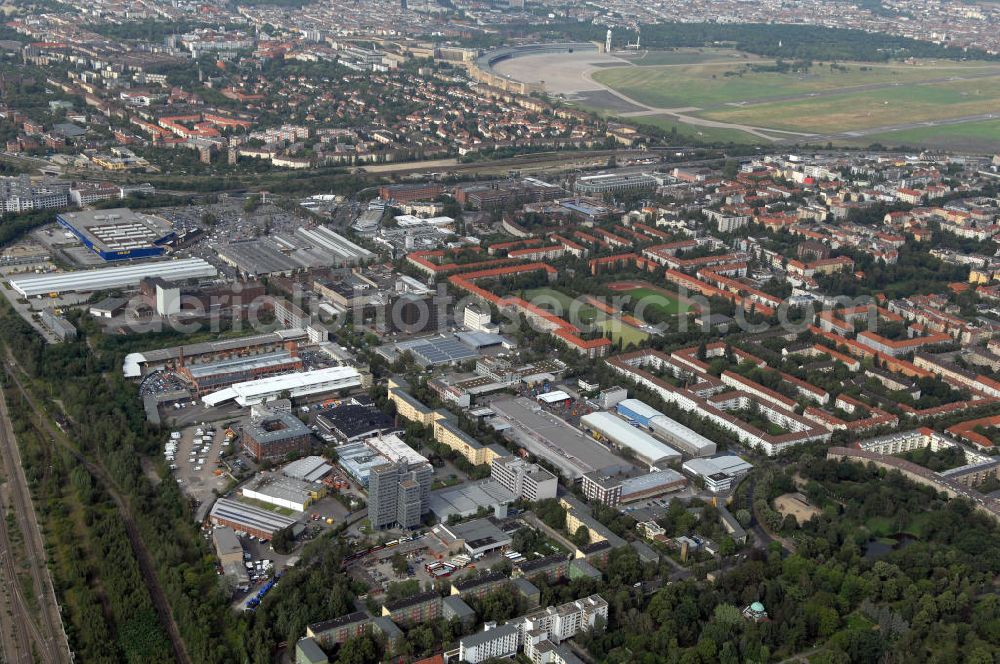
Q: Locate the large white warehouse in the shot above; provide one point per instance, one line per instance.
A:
(86, 281)
(346, 251)
(675, 433)
(300, 384)
(623, 434)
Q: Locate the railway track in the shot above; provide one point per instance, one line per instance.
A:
(47, 635)
(143, 558)
(15, 641)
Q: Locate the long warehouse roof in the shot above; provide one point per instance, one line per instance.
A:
(250, 515)
(133, 361)
(111, 277)
(295, 383)
(626, 435)
(640, 408)
(335, 243)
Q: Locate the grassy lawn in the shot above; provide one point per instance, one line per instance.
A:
(560, 303)
(658, 301)
(880, 526)
(979, 136)
(857, 621)
(626, 334)
(918, 524)
(706, 84)
(707, 134)
(874, 108)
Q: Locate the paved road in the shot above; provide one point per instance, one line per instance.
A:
(145, 561)
(47, 636)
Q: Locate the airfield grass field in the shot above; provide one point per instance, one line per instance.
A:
(705, 85)
(688, 131)
(965, 136)
(854, 103)
(873, 108)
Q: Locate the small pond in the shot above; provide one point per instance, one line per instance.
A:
(882, 546)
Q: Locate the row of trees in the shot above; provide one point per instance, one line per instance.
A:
(110, 616)
(105, 421)
(791, 42)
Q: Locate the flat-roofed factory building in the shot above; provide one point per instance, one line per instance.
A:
(275, 435)
(287, 492)
(718, 473)
(139, 364)
(109, 278)
(248, 519)
(211, 376)
(119, 234)
(626, 436)
(616, 489)
(300, 384)
(679, 436)
(547, 436)
(354, 421)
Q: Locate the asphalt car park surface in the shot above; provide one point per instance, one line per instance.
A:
(196, 461)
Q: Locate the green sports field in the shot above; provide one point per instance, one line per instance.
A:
(655, 300)
(626, 334)
(561, 304)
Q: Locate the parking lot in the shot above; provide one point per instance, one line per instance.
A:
(376, 570)
(225, 222)
(159, 382)
(261, 563)
(196, 461)
(654, 508)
